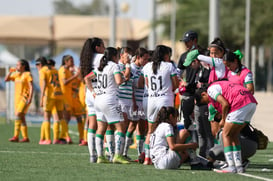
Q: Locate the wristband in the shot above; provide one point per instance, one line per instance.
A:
(128, 65)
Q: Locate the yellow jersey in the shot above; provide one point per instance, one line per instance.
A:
(22, 88)
(75, 88)
(52, 84)
(82, 93)
(64, 73)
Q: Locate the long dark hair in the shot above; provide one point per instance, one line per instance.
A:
(25, 64)
(87, 54)
(66, 58)
(109, 53)
(164, 114)
(231, 57)
(141, 52)
(158, 56)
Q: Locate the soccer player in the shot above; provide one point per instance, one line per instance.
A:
(161, 81)
(85, 115)
(66, 78)
(76, 108)
(238, 73)
(125, 95)
(106, 103)
(141, 58)
(237, 106)
(167, 148)
(91, 54)
(23, 97)
(50, 100)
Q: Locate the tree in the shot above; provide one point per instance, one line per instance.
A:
(194, 15)
(95, 7)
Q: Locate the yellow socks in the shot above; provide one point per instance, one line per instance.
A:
(64, 129)
(24, 131)
(80, 130)
(56, 127)
(42, 135)
(85, 131)
(17, 127)
(47, 130)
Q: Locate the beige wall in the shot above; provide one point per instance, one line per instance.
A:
(263, 117)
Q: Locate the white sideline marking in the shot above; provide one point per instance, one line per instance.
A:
(256, 177)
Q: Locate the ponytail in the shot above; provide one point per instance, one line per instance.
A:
(103, 63)
(109, 54)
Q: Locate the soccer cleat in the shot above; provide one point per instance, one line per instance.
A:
(127, 158)
(226, 170)
(102, 159)
(45, 142)
(141, 158)
(69, 140)
(83, 143)
(24, 140)
(147, 161)
(63, 140)
(120, 159)
(14, 139)
(199, 166)
(225, 165)
(133, 146)
(93, 159)
(58, 142)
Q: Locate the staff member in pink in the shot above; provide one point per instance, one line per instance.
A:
(237, 106)
(238, 73)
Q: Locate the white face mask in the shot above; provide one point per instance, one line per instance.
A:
(193, 47)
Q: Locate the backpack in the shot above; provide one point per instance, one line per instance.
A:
(262, 138)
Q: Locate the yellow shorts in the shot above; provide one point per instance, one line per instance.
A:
(77, 108)
(21, 107)
(51, 104)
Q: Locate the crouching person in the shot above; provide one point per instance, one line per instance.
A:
(168, 149)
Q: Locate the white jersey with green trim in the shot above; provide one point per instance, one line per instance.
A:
(136, 72)
(125, 91)
(158, 141)
(96, 63)
(160, 84)
(106, 84)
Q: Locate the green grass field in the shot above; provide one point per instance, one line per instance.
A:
(31, 161)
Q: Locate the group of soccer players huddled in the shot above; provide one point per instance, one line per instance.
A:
(121, 96)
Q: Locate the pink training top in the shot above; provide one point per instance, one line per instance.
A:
(213, 77)
(239, 79)
(236, 95)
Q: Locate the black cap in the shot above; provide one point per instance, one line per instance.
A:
(189, 35)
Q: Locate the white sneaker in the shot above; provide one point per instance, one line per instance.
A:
(226, 170)
(93, 159)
